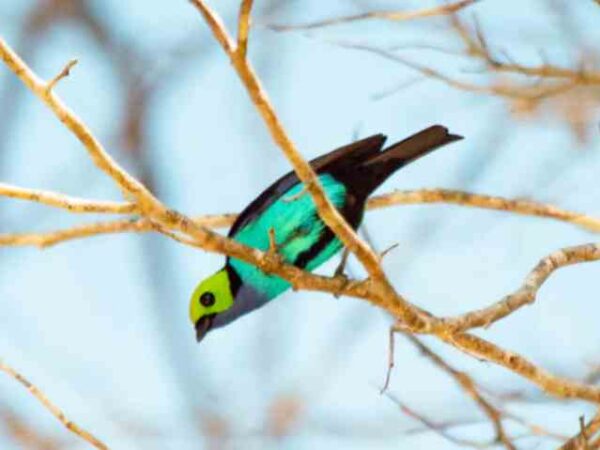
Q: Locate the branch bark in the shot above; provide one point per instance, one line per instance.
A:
(52, 408)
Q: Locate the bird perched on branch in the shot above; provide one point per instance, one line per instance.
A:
(285, 215)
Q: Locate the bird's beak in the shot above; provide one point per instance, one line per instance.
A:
(203, 326)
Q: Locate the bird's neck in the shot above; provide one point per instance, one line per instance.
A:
(235, 281)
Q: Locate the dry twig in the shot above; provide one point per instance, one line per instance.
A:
(52, 408)
(470, 387)
(441, 10)
(527, 293)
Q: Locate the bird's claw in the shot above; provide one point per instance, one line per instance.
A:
(343, 282)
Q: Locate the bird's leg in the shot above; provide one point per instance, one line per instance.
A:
(339, 271)
(272, 242)
(272, 253)
(390, 367)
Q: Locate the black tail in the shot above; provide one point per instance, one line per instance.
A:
(379, 167)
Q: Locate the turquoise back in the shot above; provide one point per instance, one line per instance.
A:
(297, 228)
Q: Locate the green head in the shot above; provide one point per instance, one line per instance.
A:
(211, 297)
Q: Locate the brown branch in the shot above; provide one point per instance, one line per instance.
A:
(129, 185)
(65, 72)
(439, 429)
(413, 197)
(582, 440)
(476, 46)
(524, 207)
(527, 293)
(244, 27)
(71, 204)
(554, 385)
(52, 408)
(441, 10)
(470, 387)
(529, 93)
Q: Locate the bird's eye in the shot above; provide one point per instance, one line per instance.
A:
(207, 299)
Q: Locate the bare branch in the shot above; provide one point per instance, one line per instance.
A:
(139, 225)
(581, 441)
(129, 185)
(529, 93)
(244, 27)
(477, 47)
(71, 204)
(52, 408)
(65, 72)
(442, 10)
(470, 387)
(524, 207)
(554, 385)
(439, 429)
(527, 293)
(415, 197)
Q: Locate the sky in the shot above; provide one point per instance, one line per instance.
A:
(101, 324)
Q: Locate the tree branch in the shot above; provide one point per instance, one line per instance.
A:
(52, 408)
(71, 204)
(527, 293)
(470, 387)
(441, 10)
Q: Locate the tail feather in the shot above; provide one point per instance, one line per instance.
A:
(381, 166)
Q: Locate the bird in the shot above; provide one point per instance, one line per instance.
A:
(285, 214)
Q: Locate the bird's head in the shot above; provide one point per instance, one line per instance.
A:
(211, 297)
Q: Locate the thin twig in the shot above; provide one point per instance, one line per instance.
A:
(52, 408)
(581, 441)
(439, 429)
(527, 293)
(470, 387)
(244, 27)
(516, 206)
(71, 204)
(441, 10)
(65, 72)
(129, 185)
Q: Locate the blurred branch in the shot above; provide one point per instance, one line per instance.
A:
(512, 91)
(583, 439)
(527, 293)
(26, 435)
(441, 10)
(52, 408)
(470, 388)
(477, 47)
(439, 429)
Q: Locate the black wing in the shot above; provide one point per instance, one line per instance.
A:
(352, 154)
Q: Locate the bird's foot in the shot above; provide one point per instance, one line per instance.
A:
(343, 282)
(273, 258)
(340, 275)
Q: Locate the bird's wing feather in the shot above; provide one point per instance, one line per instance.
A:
(352, 153)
